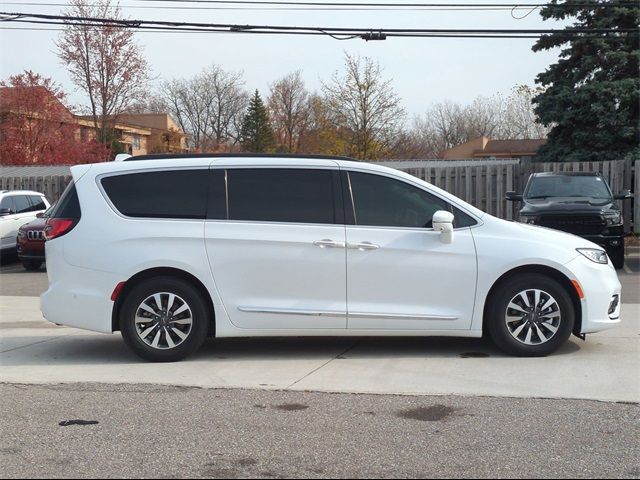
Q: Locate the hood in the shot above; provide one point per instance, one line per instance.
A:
(524, 234)
(37, 224)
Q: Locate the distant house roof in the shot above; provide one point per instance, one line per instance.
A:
(485, 147)
(512, 148)
(30, 100)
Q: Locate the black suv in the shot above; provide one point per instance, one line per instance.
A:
(578, 203)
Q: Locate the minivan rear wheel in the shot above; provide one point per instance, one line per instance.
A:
(164, 319)
(530, 315)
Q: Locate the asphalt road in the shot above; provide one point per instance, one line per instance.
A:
(168, 432)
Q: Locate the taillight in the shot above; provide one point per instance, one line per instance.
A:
(56, 227)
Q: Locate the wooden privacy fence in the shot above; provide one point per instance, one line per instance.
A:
(482, 183)
(52, 185)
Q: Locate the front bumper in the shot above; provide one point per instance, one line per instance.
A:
(607, 242)
(600, 285)
(30, 249)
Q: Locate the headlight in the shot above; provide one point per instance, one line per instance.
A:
(594, 254)
(527, 219)
(613, 218)
(21, 233)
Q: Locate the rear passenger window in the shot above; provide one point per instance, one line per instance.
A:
(22, 203)
(281, 195)
(167, 194)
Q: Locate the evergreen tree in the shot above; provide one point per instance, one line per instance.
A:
(592, 94)
(257, 134)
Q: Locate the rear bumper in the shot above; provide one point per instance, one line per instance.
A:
(76, 297)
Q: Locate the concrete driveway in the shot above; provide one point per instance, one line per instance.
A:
(605, 367)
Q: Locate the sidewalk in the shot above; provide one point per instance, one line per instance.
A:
(605, 367)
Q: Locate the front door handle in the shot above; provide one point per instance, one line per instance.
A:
(328, 243)
(363, 246)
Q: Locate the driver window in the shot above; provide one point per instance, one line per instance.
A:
(385, 202)
(7, 202)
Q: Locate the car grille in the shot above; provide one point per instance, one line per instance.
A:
(578, 224)
(35, 235)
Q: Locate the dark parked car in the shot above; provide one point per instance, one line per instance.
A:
(578, 203)
(30, 242)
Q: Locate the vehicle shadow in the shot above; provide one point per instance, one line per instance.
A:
(110, 349)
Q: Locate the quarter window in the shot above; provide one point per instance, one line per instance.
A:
(281, 195)
(37, 203)
(167, 194)
(386, 202)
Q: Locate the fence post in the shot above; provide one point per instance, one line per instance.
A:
(636, 199)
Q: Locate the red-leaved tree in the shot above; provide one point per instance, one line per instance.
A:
(104, 61)
(37, 129)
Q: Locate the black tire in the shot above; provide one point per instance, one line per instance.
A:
(617, 257)
(31, 265)
(197, 312)
(496, 320)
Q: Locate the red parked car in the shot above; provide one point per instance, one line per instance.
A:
(30, 242)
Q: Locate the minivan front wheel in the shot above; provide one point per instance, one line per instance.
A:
(163, 319)
(530, 315)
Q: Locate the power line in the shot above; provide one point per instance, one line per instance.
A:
(286, 8)
(381, 4)
(341, 33)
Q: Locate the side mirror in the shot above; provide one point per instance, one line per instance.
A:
(513, 196)
(40, 215)
(5, 211)
(443, 223)
(623, 195)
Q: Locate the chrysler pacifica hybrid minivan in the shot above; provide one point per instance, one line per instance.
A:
(171, 250)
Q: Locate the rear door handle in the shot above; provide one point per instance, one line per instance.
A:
(363, 246)
(328, 243)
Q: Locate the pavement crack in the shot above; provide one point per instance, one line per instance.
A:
(341, 354)
(32, 344)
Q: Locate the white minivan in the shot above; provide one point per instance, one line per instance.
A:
(170, 250)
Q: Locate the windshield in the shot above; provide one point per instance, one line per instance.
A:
(568, 186)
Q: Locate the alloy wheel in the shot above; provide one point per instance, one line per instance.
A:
(533, 317)
(163, 320)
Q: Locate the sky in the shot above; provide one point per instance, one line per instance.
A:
(424, 71)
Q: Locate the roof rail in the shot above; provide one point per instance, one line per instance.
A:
(170, 156)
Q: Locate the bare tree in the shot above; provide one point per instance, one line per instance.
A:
(104, 61)
(447, 124)
(209, 107)
(519, 118)
(365, 104)
(228, 102)
(290, 110)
